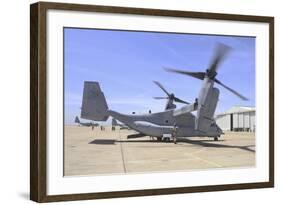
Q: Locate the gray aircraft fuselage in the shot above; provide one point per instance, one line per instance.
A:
(160, 123)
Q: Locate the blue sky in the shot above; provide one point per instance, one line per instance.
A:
(125, 63)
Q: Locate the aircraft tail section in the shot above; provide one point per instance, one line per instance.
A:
(94, 106)
(114, 122)
(77, 120)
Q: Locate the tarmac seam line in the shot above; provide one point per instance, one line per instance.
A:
(209, 162)
(122, 154)
(206, 161)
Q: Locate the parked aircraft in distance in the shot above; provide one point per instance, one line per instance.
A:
(86, 124)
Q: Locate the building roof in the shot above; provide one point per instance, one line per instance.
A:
(238, 109)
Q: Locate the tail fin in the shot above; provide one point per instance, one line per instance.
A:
(94, 106)
(77, 120)
(114, 122)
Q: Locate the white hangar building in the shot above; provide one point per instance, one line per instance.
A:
(238, 119)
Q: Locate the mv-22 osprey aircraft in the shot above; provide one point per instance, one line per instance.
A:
(94, 107)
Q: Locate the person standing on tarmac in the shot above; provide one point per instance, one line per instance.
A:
(174, 133)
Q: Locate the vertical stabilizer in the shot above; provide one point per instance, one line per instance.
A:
(114, 122)
(77, 120)
(94, 106)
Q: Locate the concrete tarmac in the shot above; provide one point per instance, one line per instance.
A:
(96, 152)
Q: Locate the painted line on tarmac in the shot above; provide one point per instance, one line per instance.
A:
(203, 160)
(122, 153)
(208, 162)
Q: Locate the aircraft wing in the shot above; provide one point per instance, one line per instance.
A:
(185, 109)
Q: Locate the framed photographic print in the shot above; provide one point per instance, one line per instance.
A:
(135, 102)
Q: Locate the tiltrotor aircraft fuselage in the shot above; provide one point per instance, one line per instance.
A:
(202, 123)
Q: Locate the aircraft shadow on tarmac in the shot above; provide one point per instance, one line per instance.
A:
(103, 142)
(203, 143)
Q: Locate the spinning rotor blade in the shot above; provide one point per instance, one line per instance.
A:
(180, 101)
(161, 86)
(198, 75)
(160, 98)
(171, 97)
(220, 54)
(231, 90)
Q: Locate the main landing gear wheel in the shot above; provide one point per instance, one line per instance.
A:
(216, 138)
(159, 139)
(167, 140)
